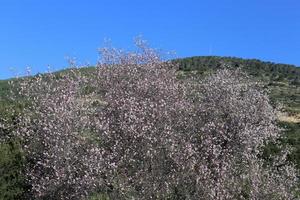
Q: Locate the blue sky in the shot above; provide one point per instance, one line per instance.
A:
(43, 33)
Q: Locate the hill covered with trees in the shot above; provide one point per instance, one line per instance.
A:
(267, 71)
(281, 82)
(281, 79)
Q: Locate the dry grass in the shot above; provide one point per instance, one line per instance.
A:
(289, 118)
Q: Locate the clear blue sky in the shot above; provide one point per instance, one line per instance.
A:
(38, 33)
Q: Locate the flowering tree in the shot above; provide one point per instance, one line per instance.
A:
(142, 133)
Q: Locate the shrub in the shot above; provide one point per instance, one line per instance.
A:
(11, 177)
(11, 156)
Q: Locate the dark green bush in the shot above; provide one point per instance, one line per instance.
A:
(11, 178)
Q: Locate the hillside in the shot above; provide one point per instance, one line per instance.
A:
(267, 71)
(282, 82)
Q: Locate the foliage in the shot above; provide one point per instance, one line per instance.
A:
(99, 197)
(12, 182)
(150, 135)
(265, 70)
(293, 138)
(11, 179)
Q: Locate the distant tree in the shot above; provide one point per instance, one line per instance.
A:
(142, 133)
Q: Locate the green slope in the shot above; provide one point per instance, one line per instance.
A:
(267, 71)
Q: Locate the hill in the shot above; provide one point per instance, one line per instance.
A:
(267, 71)
(281, 80)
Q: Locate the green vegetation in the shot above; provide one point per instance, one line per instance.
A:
(11, 179)
(267, 71)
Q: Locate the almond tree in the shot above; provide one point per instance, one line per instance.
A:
(142, 133)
